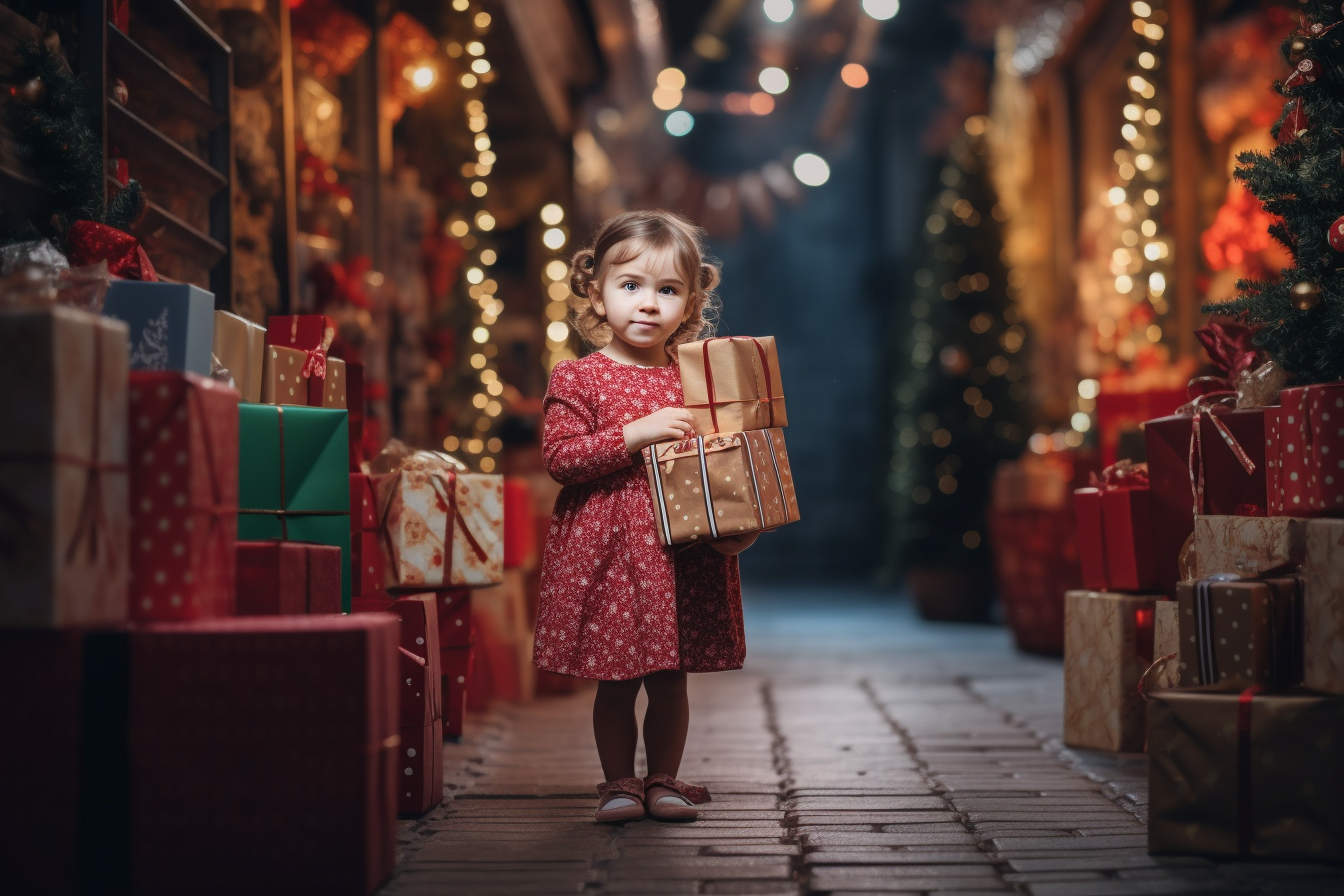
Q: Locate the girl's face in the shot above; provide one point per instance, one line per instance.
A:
(644, 300)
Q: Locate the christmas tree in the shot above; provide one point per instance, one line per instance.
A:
(960, 403)
(1301, 317)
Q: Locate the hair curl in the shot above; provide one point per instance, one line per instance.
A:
(622, 238)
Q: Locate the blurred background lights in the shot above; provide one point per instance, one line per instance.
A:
(774, 80)
(555, 268)
(679, 123)
(553, 239)
(671, 79)
(552, 214)
(854, 75)
(811, 169)
(422, 76)
(778, 10)
(881, 9)
(557, 331)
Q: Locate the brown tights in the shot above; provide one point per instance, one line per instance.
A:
(665, 723)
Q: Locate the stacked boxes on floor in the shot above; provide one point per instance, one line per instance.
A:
(159, 743)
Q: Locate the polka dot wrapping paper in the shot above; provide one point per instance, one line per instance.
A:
(420, 769)
(297, 360)
(455, 663)
(1308, 457)
(367, 558)
(184, 496)
(732, 383)
(64, 525)
(421, 698)
(1240, 633)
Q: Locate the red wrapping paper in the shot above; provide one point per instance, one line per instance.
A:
(1228, 489)
(368, 562)
(183, 454)
(89, 243)
(1126, 514)
(520, 546)
(261, 755)
(1119, 411)
(357, 405)
(418, 637)
(420, 769)
(119, 14)
(454, 614)
(455, 664)
(1296, 471)
(311, 333)
(1091, 538)
(284, 578)
(1274, 461)
(1035, 562)
(1311, 450)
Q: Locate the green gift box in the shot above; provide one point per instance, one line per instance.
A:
(293, 481)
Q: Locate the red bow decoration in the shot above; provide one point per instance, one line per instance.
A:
(1229, 347)
(1120, 475)
(89, 242)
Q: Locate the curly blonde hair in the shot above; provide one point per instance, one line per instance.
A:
(621, 239)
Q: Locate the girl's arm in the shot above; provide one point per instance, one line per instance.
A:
(574, 449)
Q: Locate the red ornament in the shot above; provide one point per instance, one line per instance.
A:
(1306, 72)
(1336, 235)
(1295, 123)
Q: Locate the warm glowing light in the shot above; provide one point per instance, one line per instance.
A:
(552, 214)
(493, 445)
(1123, 284)
(482, 21)
(422, 76)
(1151, 196)
(461, 5)
(679, 123)
(778, 10)
(553, 239)
(482, 142)
(487, 464)
(478, 361)
(1133, 111)
(811, 169)
(1115, 195)
(488, 256)
(854, 75)
(493, 408)
(555, 268)
(1089, 389)
(476, 48)
(479, 188)
(487, 159)
(977, 125)
(760, 103)
(773, 80)
(1080, 422)
(1141, 9)
(459, 228)
(672, 79)
(666, 99)
(450, 443)
(480, 66)
(557, 331)
(558, 291)
(882, 9)
(1129, 132)
(475, 275)
(468, 80)
(475, 446)
(1143, 161)
(480, 335)
(1149, 228)
(1154, 333)
(1157, 283)
(485, 221)
(494, 387)
(345, 205)
(1153, 31)
(1152, 117)
(1147, 60)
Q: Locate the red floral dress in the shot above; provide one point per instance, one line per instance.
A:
(615, 604)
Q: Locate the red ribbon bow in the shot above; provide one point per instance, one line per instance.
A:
(1229, 346)
(1210, 406)
(1121, 475)
(90, 242)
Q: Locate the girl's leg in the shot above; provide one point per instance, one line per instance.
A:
(614, 727)
(666, 721)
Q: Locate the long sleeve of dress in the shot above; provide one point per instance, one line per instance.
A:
(575, 450)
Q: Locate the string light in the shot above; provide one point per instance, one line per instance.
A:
(555, 277)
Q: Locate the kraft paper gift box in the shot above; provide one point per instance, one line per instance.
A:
(720, 485)
(1166, 646)
(1311, 450)
(1108, 645)
(240, 345)
(171, 325)
(289, 379)
(184, 496)
(293, 484)
(64, 512)
(1245, 774)
(1245, 545)
(442, 525)
(282, 578)
(1323, 607)
(732, 384)
(1227, 486)
(285, 727)
(1240, 633)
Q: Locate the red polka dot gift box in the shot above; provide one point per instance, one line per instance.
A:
(1307, 457)
(184, 496)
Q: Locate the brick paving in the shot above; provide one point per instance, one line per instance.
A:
(860, 751)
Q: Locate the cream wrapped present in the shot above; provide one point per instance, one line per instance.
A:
(1244, 545)
(441, 525)
(240, 346)
(1108, 644)
(726, 484)
(1323, 607)
(732, 384)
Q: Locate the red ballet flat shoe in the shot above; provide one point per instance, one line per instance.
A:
(667, 799)
(620, 801)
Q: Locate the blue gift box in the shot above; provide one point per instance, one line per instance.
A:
(172, 324)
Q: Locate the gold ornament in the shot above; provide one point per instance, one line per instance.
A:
(1296, 49)
(1306, 295)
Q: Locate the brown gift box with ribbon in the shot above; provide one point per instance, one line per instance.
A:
(1245, 774)
(1323, 607)
(732, 384)
(719, 485)
(240, 345)
(1166, 672)
(1108, 643)
(289, 380)
(1244, 545)
(1240, 632)
(64, 519)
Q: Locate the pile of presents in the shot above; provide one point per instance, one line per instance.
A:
(1209, 630)
(231, 645)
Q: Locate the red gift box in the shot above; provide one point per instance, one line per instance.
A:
(520, 540)
(310, 333)
(1184, 472)
(1130, 564)
(262, 755)
(1274, 462)
(1035, 562)
(288, 578)
(1091, 537)
(420, 769)
(183, 454)
(357, 407)
(418, 637)
(1118, 411)
(368, 562)
(455, 663)
(1310, 452)
(363, 502)
(454, 612)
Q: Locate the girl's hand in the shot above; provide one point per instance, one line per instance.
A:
(734, 544)
(663, 425)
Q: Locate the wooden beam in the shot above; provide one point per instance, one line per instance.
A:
(1185, 174)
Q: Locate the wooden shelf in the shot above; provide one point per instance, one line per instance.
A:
(143, 72)
(172, 15)
(147, 146)
(162, 231)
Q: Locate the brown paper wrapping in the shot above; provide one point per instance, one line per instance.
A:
(1231, 775)
(1166, 641)
(1108, 643)
(240, 346)
(64, 513)
(750, 485)
(1254, 634)
(1245, 545)
(333, 390)
(1323, 609)
(743, 372)
(283, 381)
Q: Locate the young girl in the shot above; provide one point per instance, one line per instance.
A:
(615, 604)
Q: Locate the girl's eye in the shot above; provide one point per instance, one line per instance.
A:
(631, 287)
(668, 291)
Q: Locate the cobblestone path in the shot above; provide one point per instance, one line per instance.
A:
(860, 751)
